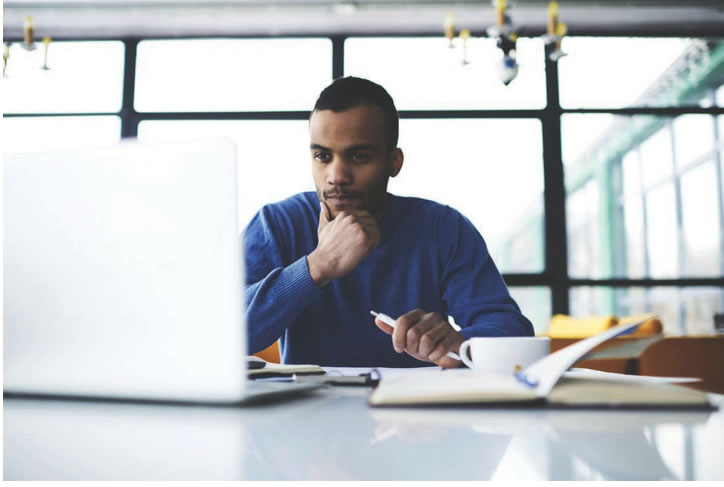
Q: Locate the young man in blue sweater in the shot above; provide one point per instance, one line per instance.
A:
(318, 262)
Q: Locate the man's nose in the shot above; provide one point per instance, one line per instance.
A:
(338, 172)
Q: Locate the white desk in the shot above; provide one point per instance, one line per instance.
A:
(333, 435)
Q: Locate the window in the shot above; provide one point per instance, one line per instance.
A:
(425, 74)
(682, 310)
(489, 170)
(582, 209)
(657, 162)
(226, 75)
(84, 77)
(643, 188)
(635, 243)
(694, 138)
(25, 134)
(701, 221)
(618, 72)
(580, 135)
(268, 170)
(535, 304)
(662, 236)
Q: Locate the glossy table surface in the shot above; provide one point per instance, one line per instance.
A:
(332, 434)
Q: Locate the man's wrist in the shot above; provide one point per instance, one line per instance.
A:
(316, 269)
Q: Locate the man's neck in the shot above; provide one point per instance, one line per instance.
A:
(380, 213)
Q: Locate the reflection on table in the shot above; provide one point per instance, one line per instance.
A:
(334, 435)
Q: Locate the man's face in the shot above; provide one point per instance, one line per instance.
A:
(351, 158)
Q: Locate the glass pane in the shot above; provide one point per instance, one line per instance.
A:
(657, 163)
(662, 233)
(702, 231)
(489, 170)
(682, 310)
(618, 72)
(591, 144)
(587, 301)
(693, 138)
(425, 74)
(631, 173)
(580, 135)
(633, 215)
(584, 239)
(34, 134)
(535, 303)
(720, 96)
(269, 171)
(699, 307)
(84, 77)
(228, 75)
(612, 235)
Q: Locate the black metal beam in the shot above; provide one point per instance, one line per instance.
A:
(541, 114)
(338, 57)
(660, 111)
(129, 117)
(554, 194)
(286, 115)
(623, 282)
(66, 114)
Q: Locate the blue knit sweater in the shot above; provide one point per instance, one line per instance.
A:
(430, 257)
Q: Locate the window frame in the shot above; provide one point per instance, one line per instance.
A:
(555, 275)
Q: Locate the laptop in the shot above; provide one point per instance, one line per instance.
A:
(123, 275)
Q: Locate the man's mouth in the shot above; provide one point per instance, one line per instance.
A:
(342, 196)
(343, 201)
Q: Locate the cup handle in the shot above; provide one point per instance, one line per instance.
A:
(464, 354)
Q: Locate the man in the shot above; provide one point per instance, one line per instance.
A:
(318, 263)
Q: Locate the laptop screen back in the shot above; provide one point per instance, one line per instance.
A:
(123, 273)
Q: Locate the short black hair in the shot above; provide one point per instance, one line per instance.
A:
(351, 92)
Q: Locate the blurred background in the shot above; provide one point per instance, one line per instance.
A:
(594, 174)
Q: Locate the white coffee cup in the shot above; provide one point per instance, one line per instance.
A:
(503, 355)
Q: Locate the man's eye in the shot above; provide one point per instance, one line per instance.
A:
(360, 157)
(322, 156)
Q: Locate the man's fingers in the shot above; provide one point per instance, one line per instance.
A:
(450, 343)
(418, 334)
(384, 326)
(401, 326)
(431, 339)
(370, 230)
(447, 362)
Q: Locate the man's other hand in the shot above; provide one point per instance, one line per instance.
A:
(343, 243)
(425, 336)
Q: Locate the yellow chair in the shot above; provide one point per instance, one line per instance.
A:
(565, 330)
(271, 353)
(564, 326)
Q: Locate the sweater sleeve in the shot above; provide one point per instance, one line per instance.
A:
(473, 291)
(276, 292)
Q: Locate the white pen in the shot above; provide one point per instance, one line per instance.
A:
(389, 321)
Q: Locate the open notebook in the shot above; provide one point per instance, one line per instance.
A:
(545, 381)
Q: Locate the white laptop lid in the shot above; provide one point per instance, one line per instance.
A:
(123, 273)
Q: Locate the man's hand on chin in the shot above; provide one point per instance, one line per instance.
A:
(343, 243)
(425, 336)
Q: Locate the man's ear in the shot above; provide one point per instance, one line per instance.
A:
(396, 162)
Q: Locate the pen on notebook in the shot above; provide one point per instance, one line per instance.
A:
(389, 321)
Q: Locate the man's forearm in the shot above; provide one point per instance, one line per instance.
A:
(495, 320)
(274, 302)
